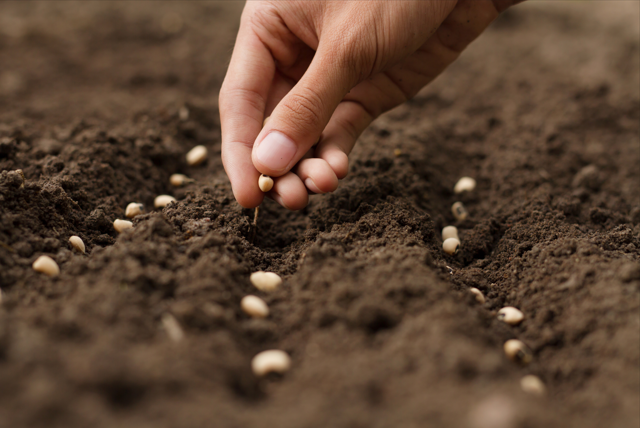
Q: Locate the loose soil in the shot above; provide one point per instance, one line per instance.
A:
(543, 111)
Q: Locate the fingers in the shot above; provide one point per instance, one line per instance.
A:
(317, 175)
(290, 192)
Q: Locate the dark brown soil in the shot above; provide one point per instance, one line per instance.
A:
(543, 111)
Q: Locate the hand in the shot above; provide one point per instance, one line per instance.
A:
(323, 70)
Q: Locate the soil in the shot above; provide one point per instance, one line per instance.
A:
(543, 111)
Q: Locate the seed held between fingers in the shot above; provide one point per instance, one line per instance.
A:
(134, 209)
(122, 225)
(46, 265)
(265, 281)
(533, 385)
(264, 122)
(451, 246)
(273, 360)
(465, 184)
(479, 296)
(197, 155)
(449, 232)
(459, 211)
(77, 244)
(254, 307)
(517, 351)
(163, 200)
(265, 183)
(510, 315)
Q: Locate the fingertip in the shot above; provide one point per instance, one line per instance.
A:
(338, 161)
(290, 192)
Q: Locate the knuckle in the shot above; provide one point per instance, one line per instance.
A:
(306, 108)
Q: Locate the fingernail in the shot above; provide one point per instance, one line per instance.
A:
(278, 199)
(311, 185)
(276, 151)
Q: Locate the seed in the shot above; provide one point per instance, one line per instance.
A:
(122, 225)
(197, 155)
(479, 296)
(46, 265)
(465, 184)
(449, 232)
(397, 152)
(451, 246)
(265, 281)
(517, 351)
(178, 180)
(510, 315)
(163, 200)
(266, 119)
(273, 360)
(459, 211)
(77, 244)
(533, 385)
(172, 327)
(265, 183)
(134, 209)
(183, 113)
(254, 307)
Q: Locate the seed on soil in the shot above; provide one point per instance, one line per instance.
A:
(178, 180)
(397, 153)
(273, 360)
(183, 113)
(517, 351)
(134, 209)
(465, 184)
(449, 232)
(459, 211)
(197, 155)
(163, 200)
(265, 183)
(533, 385)
(122, 225)
(254, 307)
(46, 265)
(265, 281)
(77, 244)
(264, 122)
(479, 296)
(510, 315)
(172, 327)
(451, 246)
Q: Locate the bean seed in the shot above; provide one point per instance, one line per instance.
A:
(197, 155)
(46, 265)
(265, 183)
(172, 327)
(465, 184)
(273, 360)
(122, 225)
(510, 315)
(533, 385)
(254, 307)
(449, 232)
(451, 246)
(265, 281)
(183, 113)
(459, 211)
(179, 180)
(163, 200)
(134, 209)
(517, 351)
(479, 296)
(77, 244)
(397, 153)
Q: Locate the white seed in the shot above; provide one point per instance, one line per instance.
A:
(479, 296)
(465, 184)
(265, 183)
(122, 225)
(266, 119)
(510, 315)
(163, 200)
(451, 246)
(533, 385)
(459, 211)
(134, 209)
(449, 232)
(517, 351)
(77, 244)
(172, 327)
(265, 281)
(254, 307)
(178, 180)
(183, 113)
(273, 360)
(46, 265)
(197, 155)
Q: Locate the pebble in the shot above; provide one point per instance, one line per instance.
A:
(451, 246)
(254, 307)
(517, 351)
(122, 225)
(449, 232)
(134, 209)
(479, 296)
(510, 315)
(265, 281)
(46, 265)
(533, 385)
(163, 200)
(273, 360)
(172, 327)
(265, 183)
(178, 180)
(459, 211)
(197, 155)
(465, 184)
(77, 244)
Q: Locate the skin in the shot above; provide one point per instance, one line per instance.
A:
(323, 71)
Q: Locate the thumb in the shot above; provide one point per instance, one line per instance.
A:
(300, 117)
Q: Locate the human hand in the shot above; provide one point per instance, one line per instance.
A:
(328, 69)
